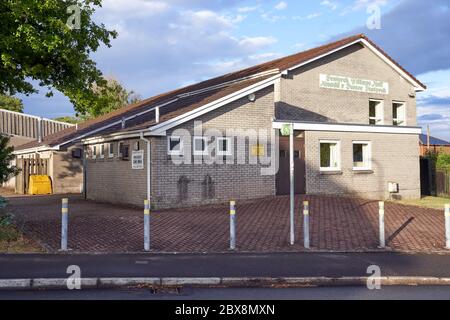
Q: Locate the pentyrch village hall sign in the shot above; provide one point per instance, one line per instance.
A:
(353, 84)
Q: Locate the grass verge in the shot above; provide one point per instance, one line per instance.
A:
(11, 239)
(427, 202)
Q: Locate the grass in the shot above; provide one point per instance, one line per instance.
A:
(11, 239)
(427, 202)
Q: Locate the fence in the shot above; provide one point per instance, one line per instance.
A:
(443, 183)
(29, 167)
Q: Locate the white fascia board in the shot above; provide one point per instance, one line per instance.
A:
(309, 126)
(34, 150)
(121, 136)
(213, 105)
(417, 86)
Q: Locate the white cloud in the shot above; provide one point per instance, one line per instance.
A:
(308, 17)
(268, 16)
(248, 9)
(122, 9)
(281, 5)
(256, 42)
(329, 4)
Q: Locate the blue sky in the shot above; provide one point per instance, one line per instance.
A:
(164, 44)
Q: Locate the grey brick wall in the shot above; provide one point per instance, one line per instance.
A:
(231, 181)
(67, 172)
(303, 99)
(395, 158)
(113, 180)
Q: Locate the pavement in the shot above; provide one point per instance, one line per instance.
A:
(337, 224)
(276, 265)
(238, 294)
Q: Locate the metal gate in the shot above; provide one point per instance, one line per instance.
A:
(29, 167)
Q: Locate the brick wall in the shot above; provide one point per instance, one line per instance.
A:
(395, 158)
(303, 99)
(66, 172)
(113, 180)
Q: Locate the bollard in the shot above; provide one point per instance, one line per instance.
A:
(381, 219)
(306, 224)
(146, 225)
(447, 225)
(232, 225)
(64, 223)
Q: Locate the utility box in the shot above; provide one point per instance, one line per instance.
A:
(39, 184)
(393, 187)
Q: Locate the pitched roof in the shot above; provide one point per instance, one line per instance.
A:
(193, 96)
(433, 141)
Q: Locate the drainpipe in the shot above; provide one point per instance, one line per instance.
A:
(149, 169)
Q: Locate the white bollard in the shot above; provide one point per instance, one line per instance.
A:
(447, 226)
(381, 222)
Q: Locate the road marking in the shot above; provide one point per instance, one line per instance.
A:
(141, 262)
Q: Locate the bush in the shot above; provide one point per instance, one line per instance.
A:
(443, 161)
(7, 230)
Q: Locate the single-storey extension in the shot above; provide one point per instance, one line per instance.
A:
(345, 111)
(435, 145)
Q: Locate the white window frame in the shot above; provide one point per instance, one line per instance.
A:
(94, 152)
(200, 152)
(379, 119)
(102, 151)
(111, 155)
(404, 113)
(368, 156)
(229, 143)
(174, 152)
(338, 155)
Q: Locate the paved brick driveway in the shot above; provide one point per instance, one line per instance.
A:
(336, 224)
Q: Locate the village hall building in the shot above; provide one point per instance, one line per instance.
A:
(351, 107)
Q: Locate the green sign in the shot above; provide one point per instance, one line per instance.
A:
(285, 129)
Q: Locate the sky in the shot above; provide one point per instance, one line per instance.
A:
(166, 44)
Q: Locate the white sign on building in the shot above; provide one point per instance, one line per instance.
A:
(137, 160)
(353, 84)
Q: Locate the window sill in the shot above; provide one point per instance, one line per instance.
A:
(362, 171)
(330, 172)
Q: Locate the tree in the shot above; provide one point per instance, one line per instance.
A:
(6, 169)
(11, 103)
(50, 41)
(68, 119)
(112, 95)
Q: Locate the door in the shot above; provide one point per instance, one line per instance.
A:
(283, 178)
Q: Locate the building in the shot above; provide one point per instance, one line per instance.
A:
(22, 129)
(352, 109)
(436, 145)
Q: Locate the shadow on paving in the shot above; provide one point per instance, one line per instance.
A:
(337, 223)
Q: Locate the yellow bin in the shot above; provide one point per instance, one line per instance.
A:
(40, 185)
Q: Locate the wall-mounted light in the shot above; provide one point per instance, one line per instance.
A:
(252, 97)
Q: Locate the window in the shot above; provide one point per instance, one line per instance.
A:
(398, 114)
(361, 155)
(200, 146)
(375, 112)
(223, 146)
(94, 152)
(111, 150)
(102, 151)
(329, 156)
(174, 145)
(136, 146)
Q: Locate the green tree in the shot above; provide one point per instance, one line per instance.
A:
(11, 103)
(6, 169)
(41, 40)
(112, 95)
(443, 161)
(68, 119)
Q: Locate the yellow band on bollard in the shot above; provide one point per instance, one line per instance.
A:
(146, 211)
(64, 210)
(65, 200)
(232, 212)
(305, 203)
